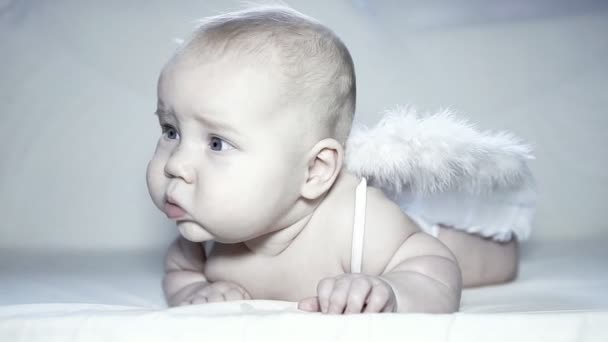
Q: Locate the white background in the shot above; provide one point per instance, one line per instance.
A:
(77, 95)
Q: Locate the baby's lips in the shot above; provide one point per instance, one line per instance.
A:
(173, 211)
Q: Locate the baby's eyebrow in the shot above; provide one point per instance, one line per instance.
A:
(159, 111)
(162, 114)
(217, 125)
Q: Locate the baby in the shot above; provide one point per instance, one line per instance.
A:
(255, 109)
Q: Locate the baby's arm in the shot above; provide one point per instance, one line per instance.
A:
(183, 270)
(403, 269)
(184, 281)
(483, 261)
(424, 276)
(421, 276)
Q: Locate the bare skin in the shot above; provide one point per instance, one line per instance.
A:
(483, 261)
(236, 165)
(314, 268)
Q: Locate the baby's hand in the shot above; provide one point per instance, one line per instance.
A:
(351, 293)
(219, 291)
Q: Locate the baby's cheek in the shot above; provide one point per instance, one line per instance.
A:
(227, 209)
(154, 181)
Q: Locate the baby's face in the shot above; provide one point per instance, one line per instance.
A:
(228, 165)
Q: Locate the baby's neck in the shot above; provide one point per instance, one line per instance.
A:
(276, 242)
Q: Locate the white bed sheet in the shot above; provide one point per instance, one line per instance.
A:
(561, 295)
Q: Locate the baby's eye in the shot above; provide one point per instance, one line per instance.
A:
(169, 132)
(217, 144)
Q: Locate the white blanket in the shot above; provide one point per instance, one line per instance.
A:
(560, 295)
(272, 321)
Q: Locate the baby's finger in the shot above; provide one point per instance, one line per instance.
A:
(197, 299)
(324, 290)
(310, 304)
(377, 299)
(244, 293)
(215, 297)
(220, 286)
(233, 294)
(360, 288)
(337, 299)
(183, 296)
(225, 287)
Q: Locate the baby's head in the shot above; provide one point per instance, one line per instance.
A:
(255, 109)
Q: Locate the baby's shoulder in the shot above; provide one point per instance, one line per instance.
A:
(386, 225)
(383, 211)
(386, 228)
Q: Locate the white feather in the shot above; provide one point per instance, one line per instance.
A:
(441, 170)
(436, 153)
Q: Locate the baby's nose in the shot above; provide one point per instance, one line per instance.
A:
(180, 165)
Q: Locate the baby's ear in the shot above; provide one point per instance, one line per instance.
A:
(324, 165)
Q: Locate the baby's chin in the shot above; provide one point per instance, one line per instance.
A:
(193, 232)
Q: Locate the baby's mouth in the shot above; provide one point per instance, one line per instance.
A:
(173, 210)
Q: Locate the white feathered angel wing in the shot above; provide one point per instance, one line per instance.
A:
(441, 170)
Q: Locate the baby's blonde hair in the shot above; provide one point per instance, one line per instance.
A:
(318, 66)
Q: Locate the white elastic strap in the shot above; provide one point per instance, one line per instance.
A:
(358, 227)
(435, 231)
